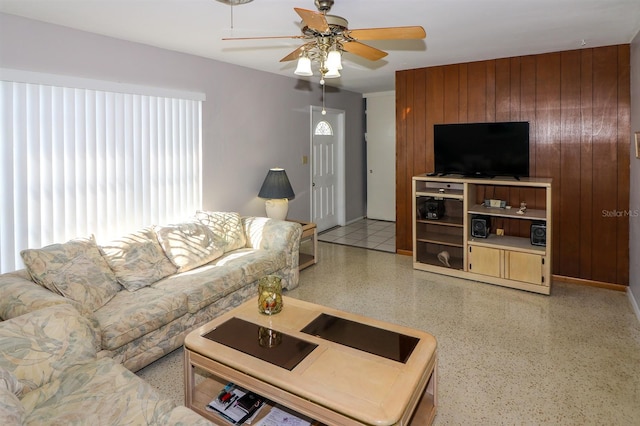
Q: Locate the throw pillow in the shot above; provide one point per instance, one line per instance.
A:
(137, 259)
(225, 225)
(75, 270)
(189, 245)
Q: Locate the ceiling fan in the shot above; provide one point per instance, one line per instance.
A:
(328, 36)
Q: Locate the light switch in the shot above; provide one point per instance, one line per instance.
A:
(305, 160)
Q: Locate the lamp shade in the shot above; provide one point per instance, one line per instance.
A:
(332, 73)
(304, 67)
(276, 185)
(334, 60)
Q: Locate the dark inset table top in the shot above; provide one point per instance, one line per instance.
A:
(374, 340)
(244, 336)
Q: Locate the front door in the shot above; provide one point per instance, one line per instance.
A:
(327, 168)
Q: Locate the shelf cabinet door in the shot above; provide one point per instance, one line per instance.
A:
(485, 261)
(524, 267)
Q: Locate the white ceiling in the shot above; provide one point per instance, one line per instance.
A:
(457, 30)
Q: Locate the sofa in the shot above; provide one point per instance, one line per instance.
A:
(144, 292)
(83, 315)
(50, 374)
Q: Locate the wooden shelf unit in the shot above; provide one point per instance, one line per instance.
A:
(509, 260)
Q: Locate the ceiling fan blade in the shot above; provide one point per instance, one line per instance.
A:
(261, 38)
(390, 33)
(363, 50)
(314, 20)
(295, 54)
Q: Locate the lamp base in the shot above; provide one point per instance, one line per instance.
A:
(277, 208)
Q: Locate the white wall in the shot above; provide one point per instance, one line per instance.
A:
(252, 120)
(634, 189)
(381, 155)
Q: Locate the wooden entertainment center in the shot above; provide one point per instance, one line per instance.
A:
(492, 243)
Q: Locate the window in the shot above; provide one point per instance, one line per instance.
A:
(77, 161)
(323, 129)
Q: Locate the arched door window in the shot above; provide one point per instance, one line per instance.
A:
(324, 129)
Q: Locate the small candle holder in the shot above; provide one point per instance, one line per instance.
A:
(270, 295)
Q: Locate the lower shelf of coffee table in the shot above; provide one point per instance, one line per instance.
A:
(208, 386)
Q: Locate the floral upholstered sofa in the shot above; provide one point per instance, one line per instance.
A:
(50, 375)
(144, 292)
(82, 316)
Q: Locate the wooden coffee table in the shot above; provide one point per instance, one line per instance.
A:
(334, 367)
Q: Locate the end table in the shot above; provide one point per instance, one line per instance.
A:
(308, 244)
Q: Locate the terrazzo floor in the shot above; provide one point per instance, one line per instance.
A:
(506, 357)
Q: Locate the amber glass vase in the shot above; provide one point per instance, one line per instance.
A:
(270, 295)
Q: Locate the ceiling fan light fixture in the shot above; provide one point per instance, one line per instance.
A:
(304, 67)
(332, 73)
(334, 60)
(235, 2)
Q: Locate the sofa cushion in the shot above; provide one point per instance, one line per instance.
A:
(20, 295)
(189, 244)
(225, 225)
(75, 270)
(37, 347)
(254, 263)
(137, 259)
(10, 382)
(204, 285)
(130, 315)
(99, 392)
(11, 409)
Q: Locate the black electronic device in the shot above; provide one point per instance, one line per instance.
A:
(480, 226)
(482, 149)
(434, 209)
(539, 233)
(430, 208)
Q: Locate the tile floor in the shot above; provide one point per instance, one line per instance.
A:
(367, 233)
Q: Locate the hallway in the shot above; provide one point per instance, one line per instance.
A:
(367, 233)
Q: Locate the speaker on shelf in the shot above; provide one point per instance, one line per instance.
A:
(430, 208)
(480, 226)
(539, 233)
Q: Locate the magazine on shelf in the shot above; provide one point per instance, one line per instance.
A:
(235, 404)
(278, 416)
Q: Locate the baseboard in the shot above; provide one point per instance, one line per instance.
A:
(354, 220)
(590, 283)
(634, 304)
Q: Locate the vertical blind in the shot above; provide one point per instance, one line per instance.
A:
(76, 162)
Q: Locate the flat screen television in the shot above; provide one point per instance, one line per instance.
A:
(482, 149)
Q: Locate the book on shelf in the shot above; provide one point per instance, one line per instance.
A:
(236, 405)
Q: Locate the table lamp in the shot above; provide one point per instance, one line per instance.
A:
(277, 190)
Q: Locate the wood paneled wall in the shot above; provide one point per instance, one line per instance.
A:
(577, 103)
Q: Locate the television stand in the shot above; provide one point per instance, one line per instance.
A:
(466, 239)
(479, 176)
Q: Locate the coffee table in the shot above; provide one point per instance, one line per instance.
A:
(334, 367)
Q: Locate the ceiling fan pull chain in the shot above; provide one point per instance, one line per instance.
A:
(324, 111)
